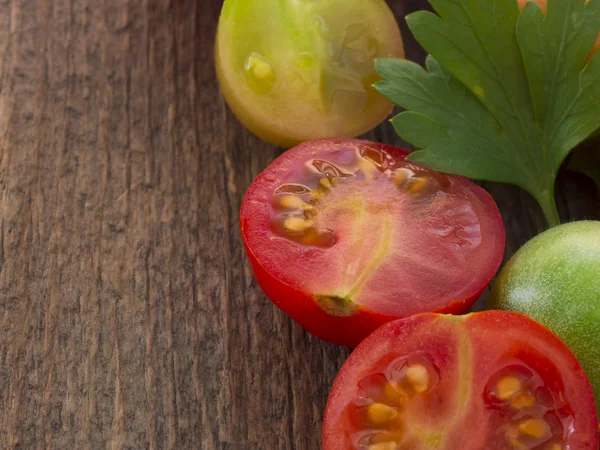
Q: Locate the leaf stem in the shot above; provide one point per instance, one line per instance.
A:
(548, 205)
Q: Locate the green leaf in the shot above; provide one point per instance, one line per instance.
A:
(447, 121)
(555, 48)
(511, 95)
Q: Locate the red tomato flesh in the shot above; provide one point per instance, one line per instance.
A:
(345, 235)
(492, 380)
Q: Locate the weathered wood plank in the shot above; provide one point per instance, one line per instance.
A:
(129, 317)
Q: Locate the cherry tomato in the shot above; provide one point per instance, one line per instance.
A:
(344, 235)
(486, 381)
(555, 279)
(296, 70)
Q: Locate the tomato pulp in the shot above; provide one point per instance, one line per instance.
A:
(344, 235)
(492, 380)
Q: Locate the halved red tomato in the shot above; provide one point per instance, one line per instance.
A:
(486, 381)
(344, 235)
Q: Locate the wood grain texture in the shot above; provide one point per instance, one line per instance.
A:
(129, 318)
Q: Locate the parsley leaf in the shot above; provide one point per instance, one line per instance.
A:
(506, 96)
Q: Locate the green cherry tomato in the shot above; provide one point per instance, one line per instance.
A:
(555, 279)
(297, 70)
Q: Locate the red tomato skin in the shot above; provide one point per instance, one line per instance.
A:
(349, 330)
(577, 387)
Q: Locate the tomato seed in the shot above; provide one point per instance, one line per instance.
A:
(535, 428)
(379, 413)
(507, 387)
(418, 377)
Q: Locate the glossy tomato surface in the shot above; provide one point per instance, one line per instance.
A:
(555, 279)
(296, 70)
(344, 235)
(486, 381)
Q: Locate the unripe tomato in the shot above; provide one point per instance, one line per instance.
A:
(296, 70)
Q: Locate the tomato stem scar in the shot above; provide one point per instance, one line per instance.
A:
(336, 306)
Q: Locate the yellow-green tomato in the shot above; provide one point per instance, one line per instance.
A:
(297, 70)
(555, 279)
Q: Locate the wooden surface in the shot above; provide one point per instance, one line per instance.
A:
(129, 318)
